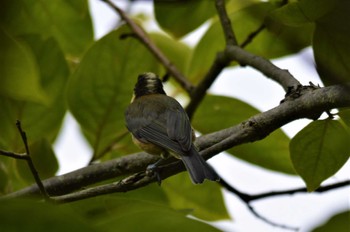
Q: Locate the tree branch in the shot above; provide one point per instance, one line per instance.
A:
(26, 156)
(252, 35)
(220, 62)
(248, 199)
(233, 52)
(142, 36)
(78, 179)
(225, 23)
(283, 77)
(200, 91)
(312, 102)
(13, 155)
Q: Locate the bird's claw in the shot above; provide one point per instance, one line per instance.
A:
(153, 171)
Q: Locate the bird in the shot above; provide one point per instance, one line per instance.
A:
(160, 126)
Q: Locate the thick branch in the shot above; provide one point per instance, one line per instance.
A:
(256, 128)
(92, 174)
(143, 37)
(311, 103)
(283, 77)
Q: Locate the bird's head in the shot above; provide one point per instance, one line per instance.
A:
(148, 83)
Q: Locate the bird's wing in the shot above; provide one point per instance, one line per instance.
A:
(156, 134)
(167, 126)
(179, 128)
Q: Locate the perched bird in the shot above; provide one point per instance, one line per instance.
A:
(160, 126)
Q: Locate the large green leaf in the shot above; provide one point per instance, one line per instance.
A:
(39, 120)
(181, 17)
(102, 86)
(303, 11)
(275, 41)
(67, 21)
(136, 213)
(149, 217)
(217, 112)
(21, 215)
(19, 75)
(203, 201)
(331, 39)
(319, 151)
(331, 44)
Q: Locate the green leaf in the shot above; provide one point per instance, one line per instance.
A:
(202, 201)
(102, 87)
(24, 215)
(181, 17)
(275, 41)
(339, 223)
(178, 53)
(67, 21)
(44, 160)
(18, 71)
(271, 152)
(217, 112)
(102, 205)
(122, 213)
(319, 151)
(4, 178)
(38, 120)
(345, 116)
(303, 11)
(331, 45)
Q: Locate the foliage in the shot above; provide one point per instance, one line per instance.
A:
(50, 64)
(319, 151)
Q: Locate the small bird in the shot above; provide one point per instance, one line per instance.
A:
(160, 126)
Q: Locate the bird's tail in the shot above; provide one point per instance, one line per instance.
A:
(198, 168)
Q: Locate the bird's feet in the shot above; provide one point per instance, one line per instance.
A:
(153, 171)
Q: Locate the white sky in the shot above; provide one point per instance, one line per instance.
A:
(300, 210)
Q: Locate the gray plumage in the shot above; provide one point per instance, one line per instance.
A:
(154, 118)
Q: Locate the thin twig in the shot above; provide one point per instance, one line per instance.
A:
(248, 199)
(268, 221)
(224, 58)
(132, 182)
(13, 155)
(200, 91)
(220, 62)
(30, 163)
(252, 35)
(298, 190)
(143, 37)
(225, 23)
(108, 148)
